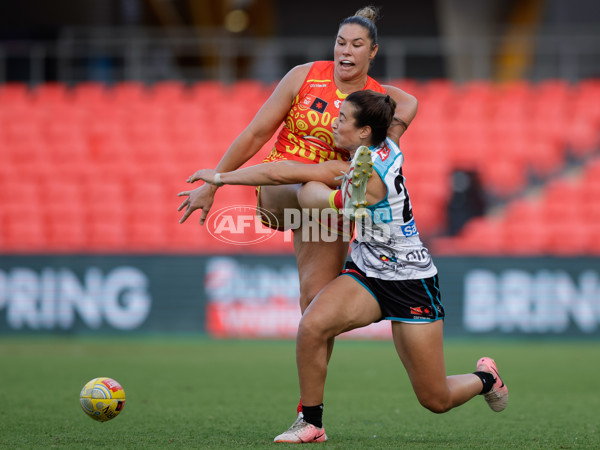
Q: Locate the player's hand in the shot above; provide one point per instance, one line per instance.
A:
(206, 175)
(200, 198)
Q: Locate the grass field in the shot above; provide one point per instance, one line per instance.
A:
(197, 393)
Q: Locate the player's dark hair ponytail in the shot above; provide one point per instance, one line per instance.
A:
(375, 110)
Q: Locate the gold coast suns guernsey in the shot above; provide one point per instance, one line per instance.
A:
(306, 135)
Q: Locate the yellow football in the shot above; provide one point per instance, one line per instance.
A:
(102, 399)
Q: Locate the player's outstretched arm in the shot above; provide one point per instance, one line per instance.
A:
(249, 142)
(275, 173)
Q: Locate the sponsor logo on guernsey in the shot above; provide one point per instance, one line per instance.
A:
(318, 105)
(410, 229)
(307, 100)
(313, 102)
(384, 152)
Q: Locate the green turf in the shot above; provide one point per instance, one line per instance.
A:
(198, 393)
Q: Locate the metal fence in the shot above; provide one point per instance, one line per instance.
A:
(151, 55)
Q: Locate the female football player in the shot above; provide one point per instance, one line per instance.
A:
(391, 275)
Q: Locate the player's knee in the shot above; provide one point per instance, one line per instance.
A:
(312, 327)
(309, 327)
(304, 195)
(435, 404)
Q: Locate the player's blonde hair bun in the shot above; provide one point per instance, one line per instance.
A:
(368, 12)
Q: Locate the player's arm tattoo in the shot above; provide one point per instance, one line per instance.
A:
(399, 121)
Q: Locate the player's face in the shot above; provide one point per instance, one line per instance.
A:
(352, 52)
(346, 135)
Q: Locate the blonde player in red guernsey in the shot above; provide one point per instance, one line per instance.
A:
(307, 135)
(307, 102)
(323, 82)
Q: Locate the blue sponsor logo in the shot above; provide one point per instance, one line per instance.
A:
(410, 229)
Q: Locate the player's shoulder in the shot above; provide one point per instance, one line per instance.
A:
(314, 66)
(299, 71)
(293, 81)
(399, 95)
(299, 74)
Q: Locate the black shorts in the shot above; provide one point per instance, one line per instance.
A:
(411, 301)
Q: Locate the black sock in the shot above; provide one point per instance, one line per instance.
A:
(313, 415)
(487, 379)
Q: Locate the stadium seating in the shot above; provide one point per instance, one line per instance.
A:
(14, 93)
(96, 168)
(561, 219)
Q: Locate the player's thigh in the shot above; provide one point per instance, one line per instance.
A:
(278, 199)
(319, 262)
(343, 305)
(421, 349)
(315, 195)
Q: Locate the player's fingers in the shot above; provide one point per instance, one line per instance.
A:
(181, 194)
(203, 216)
(186, 214)
(185, 202)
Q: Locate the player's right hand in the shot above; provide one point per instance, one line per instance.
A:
(206, 175)
(199, 198)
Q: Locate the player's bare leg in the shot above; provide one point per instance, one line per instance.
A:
(314, 195)
(318, 261)
(420, 347)
(318, 264)
(342, 306)
(276, 199)
(333, 311)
